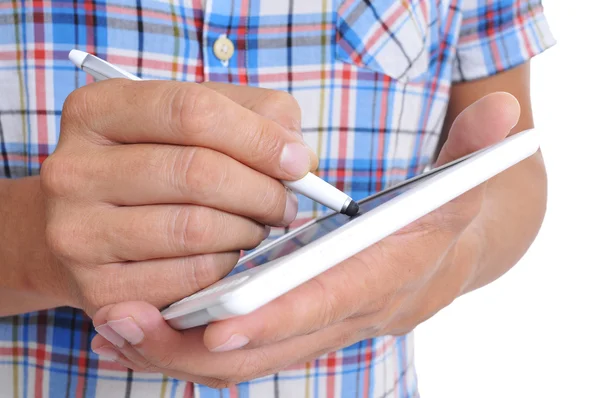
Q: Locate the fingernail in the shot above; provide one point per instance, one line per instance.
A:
(110, 335)
(295, 159)
(236, 341)
(267, 232)
(107, 353)
(291, 208)
(128, 329)
(314, 158)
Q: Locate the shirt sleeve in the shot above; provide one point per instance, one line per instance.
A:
(496, 35)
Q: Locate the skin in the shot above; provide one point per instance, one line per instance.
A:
(460, 247)
(140, 198)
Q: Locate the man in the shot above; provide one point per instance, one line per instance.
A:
(148, 191)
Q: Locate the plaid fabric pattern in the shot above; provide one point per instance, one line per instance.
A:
(372, 78)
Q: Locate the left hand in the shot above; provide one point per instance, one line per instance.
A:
(387, 289)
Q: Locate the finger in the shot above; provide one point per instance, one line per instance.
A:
(253, 363)
(118, 330)
(128, 357)
(302, 349)
(277, 105)
(105, 344)
(159, 282)
(184, 114)
(306, 309)
(140, 334)
(359, 286)
(119, 234)
(107, 352)
(145, 339)
(154, 174)
(140, 331)
(333, 296)
(484, 123)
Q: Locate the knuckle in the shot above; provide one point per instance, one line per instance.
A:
(191, 107)
(58, 176)
(100, 286)
(94, 286)
(146, 365)
(345, 339)
(180, 175)
(61, 239)
(188, 231)
(165, 360)
(373, 330)
(284, 109)
(282, 99)
(271, 202)
(264, 144)
(75, 106)
(90, 294)
(383, 303)
(198, 170)
(327, 310)
(205, 270)
(248, 367)
(255, 237)
(382, 320)
(284, 102)
(217, 178)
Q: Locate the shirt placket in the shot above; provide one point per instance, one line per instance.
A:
(222, 51)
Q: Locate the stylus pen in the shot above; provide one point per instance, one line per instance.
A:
(310, 185)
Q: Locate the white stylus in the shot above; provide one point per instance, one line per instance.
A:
(310, 185)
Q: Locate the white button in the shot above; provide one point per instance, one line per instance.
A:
(223, 48)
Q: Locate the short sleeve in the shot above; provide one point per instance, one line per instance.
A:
(496, 35)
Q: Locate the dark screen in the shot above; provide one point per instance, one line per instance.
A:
(313, 231)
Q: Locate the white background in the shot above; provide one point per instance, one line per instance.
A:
(536, 331)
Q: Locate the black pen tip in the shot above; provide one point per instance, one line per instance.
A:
(352, 209)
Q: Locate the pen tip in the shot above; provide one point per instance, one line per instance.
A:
(352, 209)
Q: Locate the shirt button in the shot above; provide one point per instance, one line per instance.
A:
(223, 48)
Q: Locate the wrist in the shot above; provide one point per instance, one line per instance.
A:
(27, 268)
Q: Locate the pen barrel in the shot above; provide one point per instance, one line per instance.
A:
(320, 191)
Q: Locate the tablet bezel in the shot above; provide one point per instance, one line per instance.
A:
(226, 298)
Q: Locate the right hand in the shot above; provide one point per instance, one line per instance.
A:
(156, 186)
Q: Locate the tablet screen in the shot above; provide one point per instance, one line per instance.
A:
(312, 231)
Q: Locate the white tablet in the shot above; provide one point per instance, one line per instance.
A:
(302, 254)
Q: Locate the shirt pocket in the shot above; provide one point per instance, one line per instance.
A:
(386, 36)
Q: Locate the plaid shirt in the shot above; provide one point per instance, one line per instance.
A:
(372, 78)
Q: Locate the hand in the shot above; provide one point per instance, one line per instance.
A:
(388, 289)
(156, 186)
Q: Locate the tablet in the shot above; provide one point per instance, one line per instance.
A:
(296, 257)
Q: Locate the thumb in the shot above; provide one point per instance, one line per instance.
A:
(482, 124)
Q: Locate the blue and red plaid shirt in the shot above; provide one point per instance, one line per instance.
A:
(372, 78)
